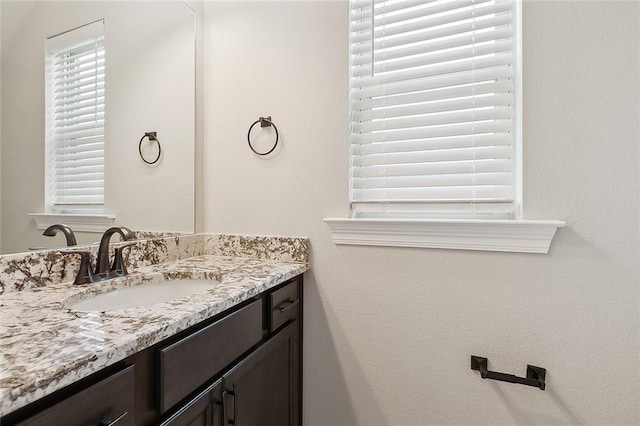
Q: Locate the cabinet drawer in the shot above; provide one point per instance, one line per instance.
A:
(109, 400)
(284, 305)
(193, 360)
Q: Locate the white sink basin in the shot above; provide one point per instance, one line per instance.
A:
(143, 295)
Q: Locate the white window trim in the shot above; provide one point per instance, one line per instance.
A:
(57, 44)
(78, 222)
(522, 236)
(510, 235)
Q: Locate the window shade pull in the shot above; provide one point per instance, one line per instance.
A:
(264, 122)
(153, 136)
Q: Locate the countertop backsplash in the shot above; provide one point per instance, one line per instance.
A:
(33, 270)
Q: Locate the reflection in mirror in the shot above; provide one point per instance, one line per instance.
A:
(149, 86)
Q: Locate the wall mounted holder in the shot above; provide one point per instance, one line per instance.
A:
(264, 122)
(153, 136)
(535, 375)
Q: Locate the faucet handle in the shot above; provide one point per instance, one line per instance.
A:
(85, 275)
(119, 267)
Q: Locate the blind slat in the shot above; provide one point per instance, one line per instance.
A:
(94, 49)
(433, 119)
(439, 57)
(89, 129)
(81, 180)
(454, 209)
(86, 169)
(454, 154)
(491, 8)
(472, 40)
(497, 126)
(81, 103)
(71, 86)
(97, 118)
(65, 80)
(79, 111)
(443, 194)
(464, 141)
(79, 143)
(362, 106)
(91, 146)
(448, 104)
(434, 33)
(478, 76)
(442, 167)
(427, 9)
(84, 156)
(87, 98)
(74, 68)
(459, 179)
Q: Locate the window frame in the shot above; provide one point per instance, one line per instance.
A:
(454, 201)
(504, 235)
(57, 44)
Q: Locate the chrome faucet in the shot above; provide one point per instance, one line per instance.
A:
(68, 233)
(102, 270)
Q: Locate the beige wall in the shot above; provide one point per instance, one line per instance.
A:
(150, 87)
(389, 331)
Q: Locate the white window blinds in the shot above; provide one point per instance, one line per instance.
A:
(75, 119)
(433, 108)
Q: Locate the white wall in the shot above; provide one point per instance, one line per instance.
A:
(150, 62)
(0, 135)
(389, 331)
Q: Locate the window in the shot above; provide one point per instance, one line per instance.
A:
(435, 128)
(434, 116)
(75, 115)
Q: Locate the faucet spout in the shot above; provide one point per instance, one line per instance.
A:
(102, 264)
(66, 230)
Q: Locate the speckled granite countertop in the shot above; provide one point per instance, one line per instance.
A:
(45, 346)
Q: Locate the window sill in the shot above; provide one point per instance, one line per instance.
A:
(523, 236)
(77, 222)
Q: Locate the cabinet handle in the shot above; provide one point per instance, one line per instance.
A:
(285, 306)
(228, 420)
(114, 421)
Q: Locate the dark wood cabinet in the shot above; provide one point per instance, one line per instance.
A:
(108, 402)
(211, 349)
(205, 409)
(242, 367)
(263, 388)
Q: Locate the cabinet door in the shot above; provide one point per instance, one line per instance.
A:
(264, 388)
(205, 409)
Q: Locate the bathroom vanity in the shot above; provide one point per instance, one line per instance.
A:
(231, 355)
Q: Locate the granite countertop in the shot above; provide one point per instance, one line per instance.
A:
(45, 346)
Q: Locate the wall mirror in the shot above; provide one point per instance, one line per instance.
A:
(149, 86)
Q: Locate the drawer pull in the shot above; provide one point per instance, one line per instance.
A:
(114, 421)
(288, 305)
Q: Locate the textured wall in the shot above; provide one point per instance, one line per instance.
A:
(389, 331)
